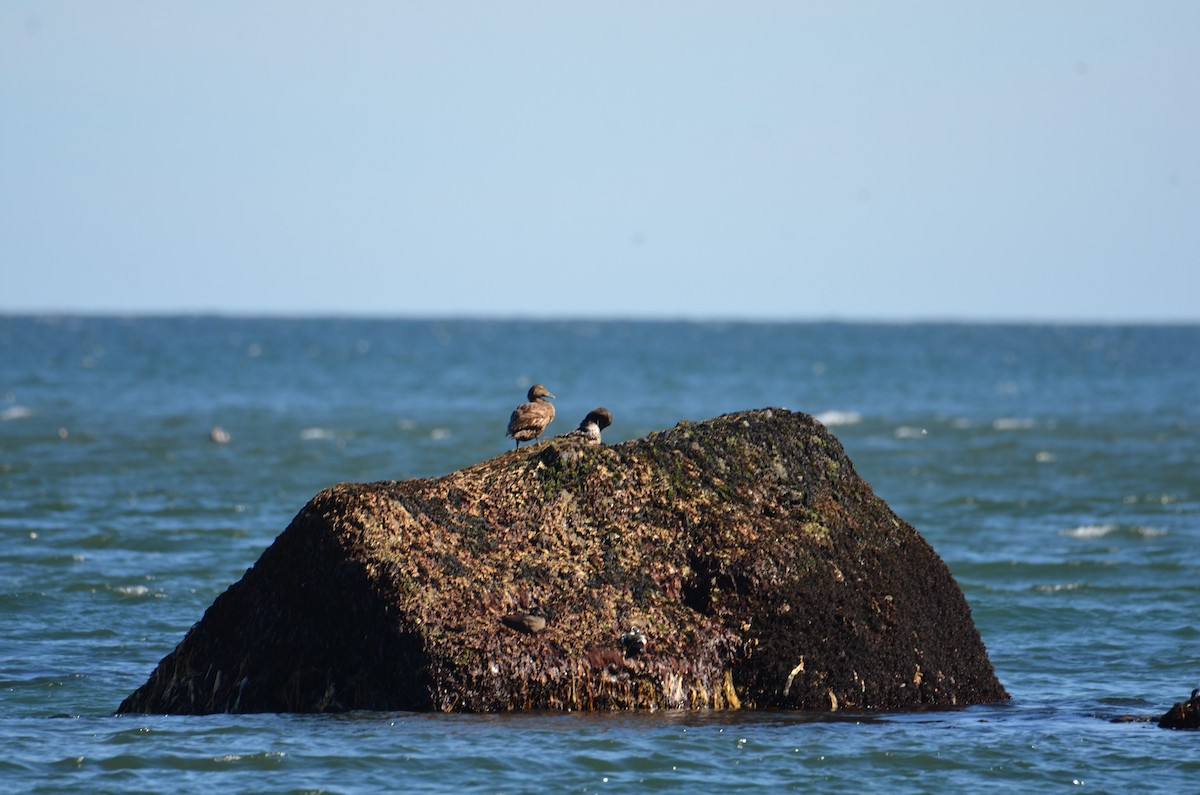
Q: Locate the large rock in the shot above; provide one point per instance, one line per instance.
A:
(762, 570)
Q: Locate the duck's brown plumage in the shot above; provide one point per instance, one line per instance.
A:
(529, 420)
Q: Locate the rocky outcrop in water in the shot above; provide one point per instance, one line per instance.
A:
(737, 562)
(1183, 715)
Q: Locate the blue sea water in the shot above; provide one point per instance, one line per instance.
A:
(1056, 469)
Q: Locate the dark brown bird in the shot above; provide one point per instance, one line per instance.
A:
(529, 420)
(588, 431)
(530, 622)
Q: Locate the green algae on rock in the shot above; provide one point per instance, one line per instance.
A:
(756, 567)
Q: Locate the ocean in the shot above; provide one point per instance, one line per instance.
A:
(1055, 468)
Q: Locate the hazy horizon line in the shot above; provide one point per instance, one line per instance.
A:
(599, 317)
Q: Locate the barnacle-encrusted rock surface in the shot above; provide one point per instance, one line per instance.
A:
(761, 569)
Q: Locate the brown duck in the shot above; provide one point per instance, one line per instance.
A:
(529, 420)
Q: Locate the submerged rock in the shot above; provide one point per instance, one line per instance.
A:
(758, 568)
(1183, 715)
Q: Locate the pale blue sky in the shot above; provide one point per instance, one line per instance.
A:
(875, 160)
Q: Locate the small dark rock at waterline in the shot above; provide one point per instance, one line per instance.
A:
(763, 569)
(1184, 715)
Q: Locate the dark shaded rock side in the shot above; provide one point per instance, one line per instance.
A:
(761, 570)
(1183, 715)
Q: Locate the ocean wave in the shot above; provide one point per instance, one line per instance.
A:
(137, 591)
(1012, 424)
(910, 432)
(1150, 499)
(314, 434)
(830, 418)
(1058, 587)
(16, 413)
(1089, 531)
(1102, 530)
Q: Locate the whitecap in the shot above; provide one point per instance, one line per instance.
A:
(313, 434)
(910, 432)
(1012, 424)
(437, 434)
(1044, 457)
(829, 418)
(1089, 531)
(132, 590)
(1149, 532)
(16, 413)
(1058, 587)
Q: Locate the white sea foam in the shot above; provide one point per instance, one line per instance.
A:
(1089, 531)
(314, 434)
(16, 413)
(1044, 457)
(910, 432)
(1012, 424)
(829, 418)
(1057, 587)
